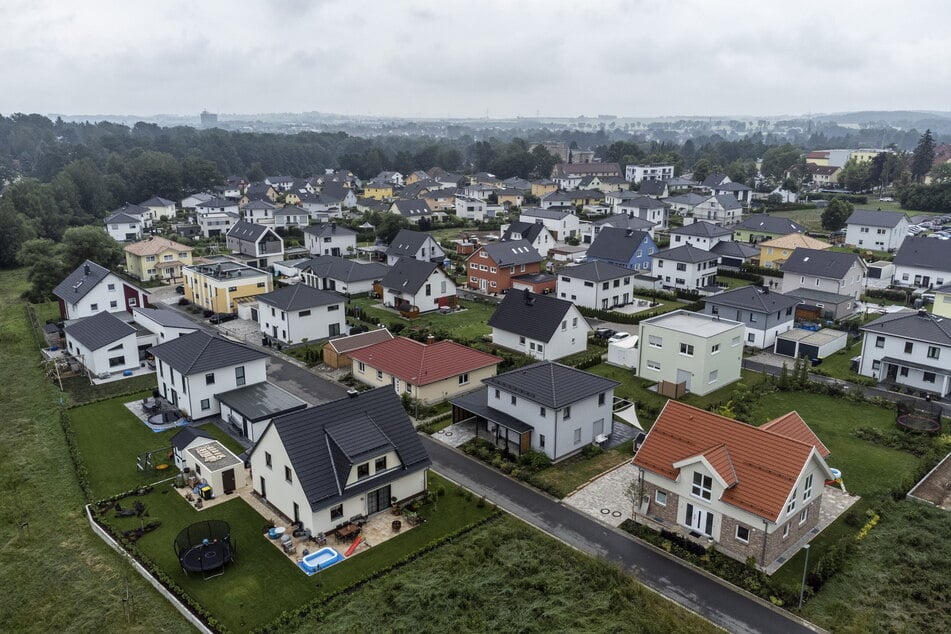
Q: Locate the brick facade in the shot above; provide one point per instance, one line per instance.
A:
(495, 278)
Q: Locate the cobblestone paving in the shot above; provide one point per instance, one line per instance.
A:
(604, 498)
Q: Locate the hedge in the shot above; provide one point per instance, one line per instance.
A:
(761, 270)
(852, 198)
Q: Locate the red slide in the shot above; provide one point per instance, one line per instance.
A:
(353, 546)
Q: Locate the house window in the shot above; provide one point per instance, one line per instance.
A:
(653, 365)
(205, 403)
(306, 313)
(785, 531)
(363, 470)
(713, 376)
(521, 341)
(928, 377)
(803, 516)
(232, 289)
(934, 352)
(660, 497)
(566, 412)
(94, 307)
(687, 349)
(117, 361)
(702, 485)
(361, 367)
(655, 341)
(336, 512)
(742, 534)
(498, 394)
(751, 337)
(903, 371)
(542, 411)
(463, 378)
(267, 459)
(330, 308)
(541, 440)
(210, 378)
(514, 400)
(876, 364)
(114, 304)
(792, 503)
(601, 398)
(577, 435)
(239, 375)
(879, 342)
(379, 375)
(287, 474)
(807, 488)
(715, 348)
(380, 464)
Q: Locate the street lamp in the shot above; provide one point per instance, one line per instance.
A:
(805, 566)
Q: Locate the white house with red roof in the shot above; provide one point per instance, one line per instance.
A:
(430, 372)
(748, 491)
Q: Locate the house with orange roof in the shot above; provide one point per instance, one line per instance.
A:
(746, 491)
(772, 253)
(428, 372)
(156, 258)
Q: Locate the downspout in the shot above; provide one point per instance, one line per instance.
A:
(762, 559)
(554, 447)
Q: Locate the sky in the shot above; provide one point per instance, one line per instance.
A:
(448, 58)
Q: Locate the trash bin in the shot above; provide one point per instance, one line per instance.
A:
(206, 492)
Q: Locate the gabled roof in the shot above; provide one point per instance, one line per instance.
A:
(728, 201)
(690, 199)
(642, 202)
(551, 384)
(343, 345)
(652, 188)
(82, 280)
(411, 208)
(166, 317)
(121, 217)
(920, 325)
(795, 241)
(756, 298)
(510, 252)
(715, 179)
(408, 275)
(527, 230)
(769, 224)
(926, 253)
(324, 442)
(534, 316)
(421, 364)
(329, 229)
(157, 201)
(407, 242)
(261, 203)
(218, 202)
(202, 351)
(186, 435)
(681, 181)
(616, 245)
(595, 271)
(731, 249)
(733, 187)
(337, 268)
(155, 245)
(547, 214)
(827, 264)
(685, 253)
(291, 210)
(132, 210)
(792, 426)
(99, 330)
(300, 297)
(870, 218)
(625, 221)
(702, 229)
(248, 231)
(766, 463)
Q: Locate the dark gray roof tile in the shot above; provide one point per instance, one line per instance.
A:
(551, 384)
(828, 264)
(202, 351)
(98, 330)
(300, 297)
(530, 315)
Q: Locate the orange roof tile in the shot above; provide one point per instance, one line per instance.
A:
(765, 464)
(420, 364)
(792, 425)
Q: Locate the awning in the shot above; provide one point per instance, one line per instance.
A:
(918, 366)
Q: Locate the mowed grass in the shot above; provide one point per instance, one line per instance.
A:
(811, 219)
(470, 323)
(506, 577)
(568, 475)
(57, 576)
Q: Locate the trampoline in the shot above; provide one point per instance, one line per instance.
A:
(919, 423)
(205, 547)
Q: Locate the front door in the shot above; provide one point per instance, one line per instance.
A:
(892, 372)
(378, 500)
(263, 488)
(296, 513)
(274, 331)
(227, 480)
(699, 520)
(483, 284)
(684, 377)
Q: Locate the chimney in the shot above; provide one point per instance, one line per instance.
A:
(922, 312)
(86, 268)
(333, 227)
(430, 340)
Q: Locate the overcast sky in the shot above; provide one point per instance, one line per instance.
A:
(462, 58)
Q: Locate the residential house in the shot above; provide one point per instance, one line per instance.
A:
(321, 205)
(123, 227)
(911, 349)
(825, 175)
(541, 326)
(103, 343)
(623, 247)
(156, 258)
(876, 230)
(840, 277)
(416, 285)
(336, 350)
(217, 205)
(714, 180)
(473, 208)
(493, 267)
(259, 211)
(942, 301)
(479, 191)
(191, 202)
(764, 314)
(720, 210)
(546, 407)
(332, 273)
(416, 245)
(299, 312)
(686, 268)
(249, 410)
(412, 210)
(415, 177)
(345, 197)
(646, 208)
(91, 289)
(752, 493)
(355, 456)
(291, 216)
(649, 172)
(564, 170)
(215, 217)
(923, 263)
(536, 233)
(681, 183)
(616, 198)
(330, 238)
(378, 191)
(562, 224)
(654, 189)
(259, 245)
(702, 235)
(698, 353)
(161, 208)
(440, 199)
(596, 284)
(735, 254)
(229, 191)
(393, 178)
(192, 369)
(543, 187)
(773, 253)
(590, 230)
(759, 227)
(428, 372)
(280, 183)
(741, 192)
(165, 323)
(217, 285)
(509, 198)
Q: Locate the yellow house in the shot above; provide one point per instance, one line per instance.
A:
(291, 198)
(942, 301)
(217, 285)
(772, 253)
(415, 177)
(864, 156)
(378, 191)
(511, 198)
(543, 187)
(157, 259)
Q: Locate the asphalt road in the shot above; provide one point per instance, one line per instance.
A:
(723, 606)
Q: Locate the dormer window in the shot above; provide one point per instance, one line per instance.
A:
(380, 464)
(363, 470)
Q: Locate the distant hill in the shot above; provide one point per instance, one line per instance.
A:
(892, 117)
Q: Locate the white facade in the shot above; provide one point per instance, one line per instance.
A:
(311, 324)
(195, 394)
(702, 351)
(920, 277)
(162, 212)
(428, 251)
(565, 227)
(688, 276)
(216, 222)
(625, 353)
(125, 231)
(162, 333)
(603, 295)
(437, 285)
(107, 295)
(852, 284)
(877, 238)
(918, 353)
(658, 215)
(113, 358)
(704, 243)
(341, 244)
(570, 338)
(712, 210)
(656, 172)
(471, 208)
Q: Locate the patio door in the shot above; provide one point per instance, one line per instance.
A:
(699, 520)
(378, 500)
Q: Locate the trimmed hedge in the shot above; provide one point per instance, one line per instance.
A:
(760, 270)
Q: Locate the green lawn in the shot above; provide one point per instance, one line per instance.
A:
(263, 582)
(568, 475)
(839, 364)
(732, 282)
(470, 323)
(812, 218)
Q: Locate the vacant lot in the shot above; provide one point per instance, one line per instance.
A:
(470, 323)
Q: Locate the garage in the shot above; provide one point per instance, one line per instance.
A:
(812, 344)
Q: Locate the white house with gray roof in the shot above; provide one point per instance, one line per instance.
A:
(417, 284)
(541, 326)
(562, 223)
(259, 245)
(300, 312)
(123, 227)
(165, 323)
(923, 263)
(193, 368)
(646, 208)
(412, 210)
(825, 271)
(260, 211)
(590, 230)
(598, 285)
(546, 407)
(685, 268)
(415, 245)
(92, 289)
(876, 230)
(764, 313)
(702, 235)
(103, 343)
(910, 349)
(332, 273)
(537, 235)
(329, 238)
(723, 209)
(351, 457)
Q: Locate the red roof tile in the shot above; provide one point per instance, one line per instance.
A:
(792, 425)
(765, 464)
(420, 364)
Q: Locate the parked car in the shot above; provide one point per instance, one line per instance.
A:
(220, 318)
(604, 333)
(618, 336)
(180, 289)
